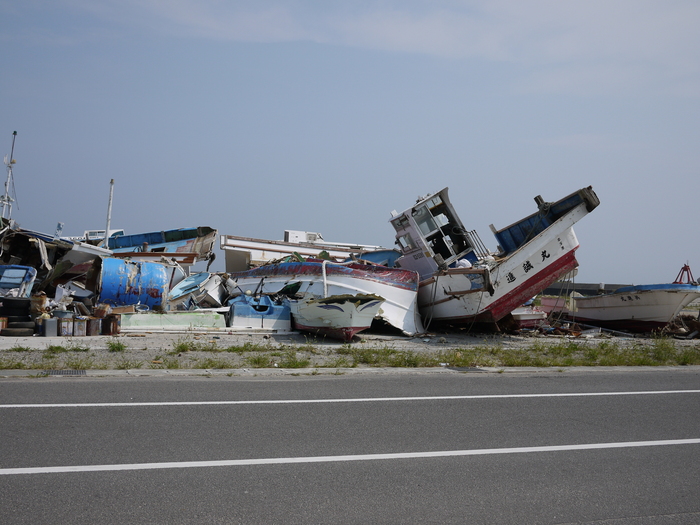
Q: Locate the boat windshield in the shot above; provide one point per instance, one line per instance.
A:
(406, 243)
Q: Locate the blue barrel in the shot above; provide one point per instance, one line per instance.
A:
(125, 283)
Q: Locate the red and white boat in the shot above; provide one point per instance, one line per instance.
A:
(461, 281)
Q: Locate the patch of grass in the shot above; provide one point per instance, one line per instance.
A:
(12, 364)
(217, 364)
(20, 349)
(115, 345)
(70, 346)
(338, 362)
(257, 361)
(188, 344)
(55, 349)
(79, 363)
(248, 346)
(292, 360)
(388, 357)
(126, 364)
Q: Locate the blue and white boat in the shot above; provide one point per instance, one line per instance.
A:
(640, 308)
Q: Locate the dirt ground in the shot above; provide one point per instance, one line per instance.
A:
(226, 349)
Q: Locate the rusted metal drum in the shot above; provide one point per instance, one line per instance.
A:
(111, 325)
(125, 283)
(94, 326)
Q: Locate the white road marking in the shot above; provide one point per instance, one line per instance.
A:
(331, 459)
(350, 400)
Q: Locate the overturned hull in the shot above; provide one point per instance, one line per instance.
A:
(338, 316)
(462, 282)
(319, 279)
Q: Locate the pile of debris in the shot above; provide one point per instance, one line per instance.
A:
(52, 285)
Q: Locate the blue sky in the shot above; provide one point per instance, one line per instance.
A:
(254, 117)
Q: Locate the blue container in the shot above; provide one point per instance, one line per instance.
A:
(125, 283)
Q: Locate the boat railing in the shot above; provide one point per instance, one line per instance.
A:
(477, 244)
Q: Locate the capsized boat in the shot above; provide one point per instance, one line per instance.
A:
(337, 316)
(461, 281)
(641, 308)
(315, 278)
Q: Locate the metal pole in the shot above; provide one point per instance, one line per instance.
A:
(6, 199)
(109, 214)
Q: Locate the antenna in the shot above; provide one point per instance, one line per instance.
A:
(6, 200)
(109, 213)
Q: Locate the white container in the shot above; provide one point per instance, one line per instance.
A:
(50, 327)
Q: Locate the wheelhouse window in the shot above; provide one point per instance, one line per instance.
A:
(424, 220)
(406, 243)
(400, 223)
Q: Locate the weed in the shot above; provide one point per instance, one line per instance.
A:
(19, 349)
(54, 349)
(12, 364)
(126, 364)
(79, 363)
(292, 360)
(214, 363)
(189, 345)
(339, 362)
(115, 345)
(257, 361)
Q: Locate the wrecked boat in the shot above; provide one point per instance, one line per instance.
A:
(243, 253)
(16, 280)
(316, 278)
(461, 281)
(337, 316)
(640, 308)
(199, 240)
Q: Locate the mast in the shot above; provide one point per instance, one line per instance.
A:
(6, 200)
(109, 213)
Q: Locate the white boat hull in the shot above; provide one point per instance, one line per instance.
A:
(340, 317)
(636, 310)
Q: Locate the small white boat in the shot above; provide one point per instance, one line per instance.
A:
(529, 316)
(337, 316)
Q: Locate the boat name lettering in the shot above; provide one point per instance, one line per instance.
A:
(545, 255)
(560, 243)
(510, 277)
(527, 266)
(629, 298)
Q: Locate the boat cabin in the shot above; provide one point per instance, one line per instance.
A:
(430, 235)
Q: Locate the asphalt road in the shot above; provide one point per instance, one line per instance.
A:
(608, 447)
